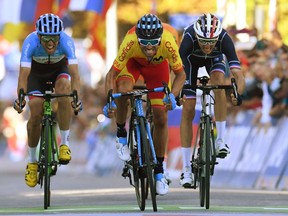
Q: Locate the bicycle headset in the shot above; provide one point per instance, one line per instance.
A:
(149, 27)
(49, 24)
(208, 26)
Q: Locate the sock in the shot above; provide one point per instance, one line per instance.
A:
(65, 137)
(32, 158)
(121, 130)
(221, 128)
(165, 164)
(159, 167)
(186, 157)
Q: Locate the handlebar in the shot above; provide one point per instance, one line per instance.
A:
(48, 95)
(207, 88)
(137, 92)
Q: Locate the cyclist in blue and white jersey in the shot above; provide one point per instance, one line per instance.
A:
(206, 43)
(48, 54)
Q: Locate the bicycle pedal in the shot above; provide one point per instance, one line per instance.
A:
(221, 155)
(63, 162)
(188, 186)
(125, 173)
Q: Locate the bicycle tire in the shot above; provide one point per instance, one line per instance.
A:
(147, 161)
(47, 193)
(138, 180)
(200, 163)
(207, 141)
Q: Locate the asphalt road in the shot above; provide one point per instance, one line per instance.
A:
(75, 192)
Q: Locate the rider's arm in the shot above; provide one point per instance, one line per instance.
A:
(229, 50)
(240, 79)
(110, 80)
(178, 82)
(23, 78)
(75, 77)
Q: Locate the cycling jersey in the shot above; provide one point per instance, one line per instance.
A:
(131, 63)
(32, 49)
(193, 58)
(167, 51)
(45, 67)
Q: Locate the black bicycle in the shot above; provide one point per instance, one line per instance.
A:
(143, 157)
(48, 149)
(204, 157)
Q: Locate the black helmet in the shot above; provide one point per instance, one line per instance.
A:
(49, 24)
(148, 27)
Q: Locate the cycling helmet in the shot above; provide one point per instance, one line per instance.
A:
(208, 26)
(149, 27)
(49, 24)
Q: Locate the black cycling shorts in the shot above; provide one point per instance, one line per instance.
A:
(42, 73)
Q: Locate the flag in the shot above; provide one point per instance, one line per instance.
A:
(18, 17)
(98, 30)
(87, 5)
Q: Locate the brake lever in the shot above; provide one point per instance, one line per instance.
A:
(21, 96)
(235, 91)
(109, 99)
(75, 100)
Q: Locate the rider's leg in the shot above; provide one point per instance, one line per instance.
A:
(34, 127)
(33, 131)
(63, 86)
(160, 138)
(123, 85)
(220, 110)
(186, 134)
(64, 116)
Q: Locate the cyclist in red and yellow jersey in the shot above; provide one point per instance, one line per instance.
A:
(148, 50)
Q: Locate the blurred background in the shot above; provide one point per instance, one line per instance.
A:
(256, 130)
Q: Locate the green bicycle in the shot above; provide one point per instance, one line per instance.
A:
(48, 150)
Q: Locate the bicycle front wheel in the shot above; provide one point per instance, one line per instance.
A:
(207, 141)
(147, 161)
(139, 178)
(47, 139)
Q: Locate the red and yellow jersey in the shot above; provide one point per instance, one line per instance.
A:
(167, 51)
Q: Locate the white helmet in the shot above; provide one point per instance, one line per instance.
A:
(208, 26)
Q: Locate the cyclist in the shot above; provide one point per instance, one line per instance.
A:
(48, 54)
(206, 43)
(150, 51)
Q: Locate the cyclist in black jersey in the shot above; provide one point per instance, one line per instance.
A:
(206, 43)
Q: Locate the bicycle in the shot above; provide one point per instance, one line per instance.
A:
(48, 149)
(143, 157)
(204, 156)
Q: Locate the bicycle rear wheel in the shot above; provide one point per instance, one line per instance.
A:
(139, 178)
(47, 161)
(147, 162)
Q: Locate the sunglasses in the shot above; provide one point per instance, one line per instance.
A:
(47, 38)
(152, 42)
(207, 41)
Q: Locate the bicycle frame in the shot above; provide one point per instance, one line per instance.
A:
(204, 160)
(140, 141)
(48, 149)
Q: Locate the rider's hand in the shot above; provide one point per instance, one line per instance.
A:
(109, 113)
(77, 107)
(17, 106)
(180, 100)
(236, 101)
(170, 105)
